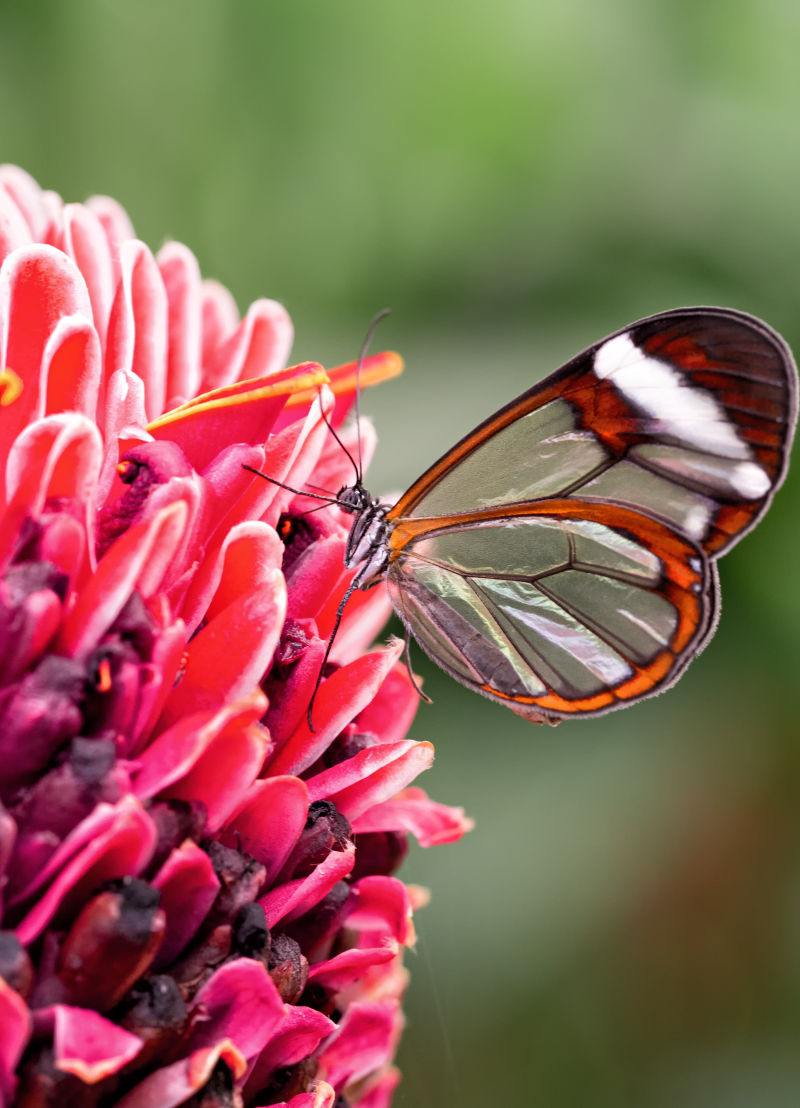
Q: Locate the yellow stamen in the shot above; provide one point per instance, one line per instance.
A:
(11, 387)
(374, 370)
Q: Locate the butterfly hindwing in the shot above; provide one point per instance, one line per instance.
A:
(561, 608)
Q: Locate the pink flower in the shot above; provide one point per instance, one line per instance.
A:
(197, 889)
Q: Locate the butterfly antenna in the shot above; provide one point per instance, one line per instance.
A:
(365, 347)
(280, 484)
(351, 459)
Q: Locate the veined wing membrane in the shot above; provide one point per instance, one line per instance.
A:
(557, 607)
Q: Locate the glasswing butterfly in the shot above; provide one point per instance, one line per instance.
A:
(561, 558)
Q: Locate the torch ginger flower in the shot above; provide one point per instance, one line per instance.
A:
(196, 888)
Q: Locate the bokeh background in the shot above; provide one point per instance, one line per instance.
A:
(515, 180)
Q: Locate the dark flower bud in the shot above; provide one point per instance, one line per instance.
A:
(288, 968)
(122, 927)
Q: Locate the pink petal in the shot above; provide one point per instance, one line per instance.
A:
(364, 618)
(137, 560)
(181, 276)
(208, 757)
(258, 347)
(85, 1043)
(15, 1030)
(113, 841)
(412, 810)
(371, 776)
(298, 1035)
(381, 909)
(244, 558)
(14, 229)
(349, 966)
(315, 577)
(321, 1096)
(240, 1003)
(364, 1041)
(295, 898)
(379, 1095)
(390, 713)
(137, 326)
(85, 241)
(339, 700)
(115, 223)
(122, 419)
(269, 822)
(188, 886)
(289, 699)
(220, 320)
(175, 1084)
(243, 412)
(231, 653)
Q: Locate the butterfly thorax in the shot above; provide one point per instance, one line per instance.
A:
(367, 541)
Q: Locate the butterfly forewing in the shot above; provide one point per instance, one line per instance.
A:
(560, 557)
(687, 417)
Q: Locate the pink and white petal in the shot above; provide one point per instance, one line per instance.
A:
(137, 326)
(259, 346)
(86, 242)
(177, 752)
(349, 966)
(28, 198)
(412, 811)
(381, 910)
(183, 1080)
(122, 419)
(220, 318)
(55, 458)
(14, 229)
(86, 1044)
(15, 1031)
(180, 273)
(231, 653)
(243, 412)
(364, 1041)
(72, 364)
(371, 776)
(116, 225)
(188, 886)
(295, 898)
(297, 1036)
(139, 559)
(239, 1002)
(39, 285)
(340, 699)
(269, 822)
(114, 840)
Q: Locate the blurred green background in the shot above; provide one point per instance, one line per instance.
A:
(515, 180)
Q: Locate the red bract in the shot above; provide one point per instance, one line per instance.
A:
(197, 892)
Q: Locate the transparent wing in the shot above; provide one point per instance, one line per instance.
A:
(686, 417)
(558, 608)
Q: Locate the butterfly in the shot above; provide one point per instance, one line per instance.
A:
(561, 558)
